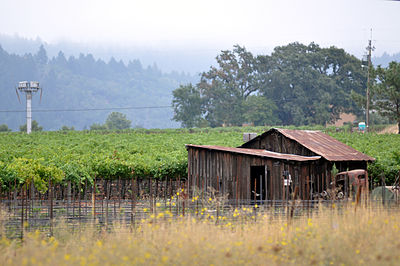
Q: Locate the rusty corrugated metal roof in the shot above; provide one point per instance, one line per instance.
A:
(324, 145)
(259, 152)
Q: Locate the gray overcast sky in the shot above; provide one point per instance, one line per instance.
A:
(203, 24)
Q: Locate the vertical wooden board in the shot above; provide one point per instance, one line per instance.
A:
(210, 163)
(321, 176)
(217, 175)
(231, 177)
(211, 172)
(234, 174)
(207, 161)
(246, 173)
(278, 182)
(193, 169)
(284, 144)
(219, 172)
(193, 177)
(201, 165)
(231, 187)
(227, 178)
(303, 181)
(222, 173)
(271, 179)
(320, 185)
(327, 174)
(203, 169)
(239, 175)
(281, 168)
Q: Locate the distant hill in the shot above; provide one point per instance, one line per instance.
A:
(186, 59)
(385, 59)
(84, 82)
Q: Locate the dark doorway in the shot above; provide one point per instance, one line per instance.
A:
(258, 186)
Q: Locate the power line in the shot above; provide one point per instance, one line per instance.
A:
(88, 109)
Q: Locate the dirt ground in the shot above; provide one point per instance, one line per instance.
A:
(392, 129)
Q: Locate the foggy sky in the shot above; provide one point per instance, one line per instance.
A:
(207, 24)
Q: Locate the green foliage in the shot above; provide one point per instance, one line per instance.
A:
(334, 170)
(386, 92)
(260, 111)
(22, 171)
(66, 128)
(85, 82)
(4, 128)
(80, 156)
(117, 120)
(188, 106)
(311, 85)
(96, 126)
(35, 127)
(383, 147)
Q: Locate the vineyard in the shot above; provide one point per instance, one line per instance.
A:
(80, 157)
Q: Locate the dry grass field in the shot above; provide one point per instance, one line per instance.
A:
(331, 236)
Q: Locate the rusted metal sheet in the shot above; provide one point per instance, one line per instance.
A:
(319, 143)
(258, 152)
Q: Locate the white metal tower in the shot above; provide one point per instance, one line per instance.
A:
(28, 88)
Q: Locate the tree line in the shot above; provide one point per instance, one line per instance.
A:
(114, 121)
(296, 84)
(85, 82)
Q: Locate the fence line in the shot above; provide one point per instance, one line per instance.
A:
(110, 202)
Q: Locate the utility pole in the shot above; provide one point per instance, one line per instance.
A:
(28, 88)
(369, 49)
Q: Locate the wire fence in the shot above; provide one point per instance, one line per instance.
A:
(128, 202)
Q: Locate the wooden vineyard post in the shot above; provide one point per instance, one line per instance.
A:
(170, 195)
(155, 198)
(165, 192)
(15, 196)
(119, 194)
(102, 199)
(132, 199)
(85, 197)
(68, 195)
(26, 203)
(51, 199)
(296, 191)
(107, 195)
(94, 198)
(178, 196)
(22, 212)
(73, 199)
(184, 199)
(51, 206)
(79, 198)
(151, 195)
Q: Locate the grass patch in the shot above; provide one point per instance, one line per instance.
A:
(329, 236)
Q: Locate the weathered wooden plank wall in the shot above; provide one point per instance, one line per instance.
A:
(229, 173)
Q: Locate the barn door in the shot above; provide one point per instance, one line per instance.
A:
(259, 183)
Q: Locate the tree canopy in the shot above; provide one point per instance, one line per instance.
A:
(296, 85)
(85, 82)
(4, 128)
(117, 120)
(386, 92)
(35, 126)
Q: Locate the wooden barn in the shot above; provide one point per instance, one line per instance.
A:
(271, 165)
